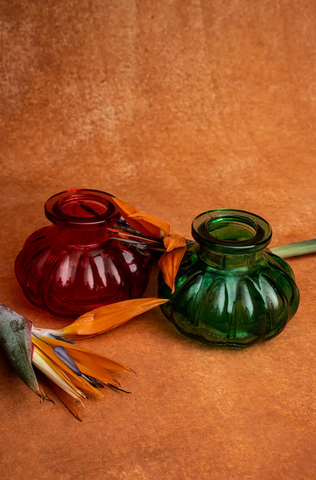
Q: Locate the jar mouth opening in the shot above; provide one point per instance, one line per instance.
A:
(231, 231)
(82, 208)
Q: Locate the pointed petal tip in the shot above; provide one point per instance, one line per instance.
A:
(118, 389)
(173, 241)
(132, 371)
(66, 400)
(43, 395)
(169, 264)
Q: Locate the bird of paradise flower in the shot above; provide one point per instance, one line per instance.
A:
(72, 372)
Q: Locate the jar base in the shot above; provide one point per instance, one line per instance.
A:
(221, 344)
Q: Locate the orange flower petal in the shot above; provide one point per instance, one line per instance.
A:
(55, 373)
(87, 364)
(173, 241)
(76, 380)
(104, 362)
(66, 399)
(105, 318)
(169, 265)
(93, 370)
(143, 222)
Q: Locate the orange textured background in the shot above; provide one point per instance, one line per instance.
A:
(176, 106)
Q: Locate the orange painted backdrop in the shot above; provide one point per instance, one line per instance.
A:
(176, 106)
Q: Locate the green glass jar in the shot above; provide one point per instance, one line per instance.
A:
(231, 291)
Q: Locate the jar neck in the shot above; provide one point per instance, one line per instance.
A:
(224, 261)
(81, 216)
(230, 239)
(71, 236)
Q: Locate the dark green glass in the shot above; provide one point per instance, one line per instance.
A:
(231, 291)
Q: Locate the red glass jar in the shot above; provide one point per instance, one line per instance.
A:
(75, 265)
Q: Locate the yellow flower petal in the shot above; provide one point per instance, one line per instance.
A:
(75, 379)
(54, 373)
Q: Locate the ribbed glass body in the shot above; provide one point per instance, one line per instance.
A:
(75, 264)
(231, 291)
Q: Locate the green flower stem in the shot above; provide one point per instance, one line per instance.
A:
(295, 249)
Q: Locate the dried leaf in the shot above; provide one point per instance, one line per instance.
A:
(143, 222)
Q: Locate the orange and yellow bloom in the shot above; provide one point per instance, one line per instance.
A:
(73, 372)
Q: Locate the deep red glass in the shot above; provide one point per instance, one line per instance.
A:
(75, 265)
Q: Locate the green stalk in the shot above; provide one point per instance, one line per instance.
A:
(295, 249)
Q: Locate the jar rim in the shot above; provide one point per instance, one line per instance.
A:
(82, 208)
(251, 232)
